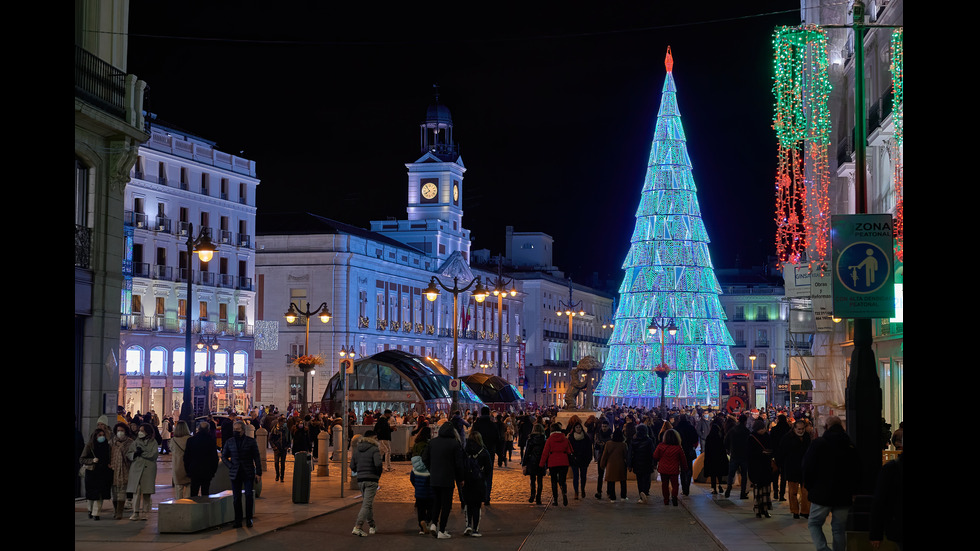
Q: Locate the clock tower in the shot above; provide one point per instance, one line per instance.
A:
(435, 192)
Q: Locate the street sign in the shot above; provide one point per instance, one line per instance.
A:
(864, 278)
(453, 385)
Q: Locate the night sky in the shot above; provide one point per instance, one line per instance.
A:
(554, 108)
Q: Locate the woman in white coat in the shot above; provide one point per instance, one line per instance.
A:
(143, 453)
(178, 444)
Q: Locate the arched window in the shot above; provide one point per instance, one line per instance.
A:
(240, 367)
(221, 363)
(158, 361)
(179, 361)
(200, 361)
(134, 360)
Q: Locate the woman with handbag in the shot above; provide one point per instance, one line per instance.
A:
(761, 467)
(96, 459)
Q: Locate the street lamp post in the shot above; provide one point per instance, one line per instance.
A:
(432, 293)
(662, 325)
(499, 290)
(568, 309)
(205, 250)
(547, 387)
(772, 383)
(347, 367)
(308, 365)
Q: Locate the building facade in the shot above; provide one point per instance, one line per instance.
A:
(373, 283)
(109, 126)
(182, 186)
(758, 320)
(885, 150)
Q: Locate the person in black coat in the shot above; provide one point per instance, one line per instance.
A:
(789, 454)
(776, 434)
(241, 455)
(532, 456)
(201, 459)
(487, 428)
(831, 474)
(444, 459)
(689, 442)
(641, 461)
(736, 440)
(582, 450)
(715, 458)
(887, 517)
(759, 457)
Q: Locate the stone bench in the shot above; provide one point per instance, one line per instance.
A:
(196, 513)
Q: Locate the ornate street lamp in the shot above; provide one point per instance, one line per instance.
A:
(346, 368)
(205, 250)
(432, 293)
(499, 291)
(307, 362)
(662, 325)
(568, 309)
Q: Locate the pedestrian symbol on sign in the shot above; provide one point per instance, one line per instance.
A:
(863, 267)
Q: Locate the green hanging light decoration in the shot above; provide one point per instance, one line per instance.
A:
(898, 115)
(801, 119)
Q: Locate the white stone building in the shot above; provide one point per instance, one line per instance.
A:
(181, 183)
(108, 128)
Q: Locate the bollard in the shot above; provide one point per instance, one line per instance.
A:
(322, 465)
(301, 477)
(337, 432)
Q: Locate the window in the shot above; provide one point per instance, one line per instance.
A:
(134, 360)
(242, 193)
(203, 310)
(81, 193)
(762, 313)
(161, 306)
(224, 188)
(182, 308)
(241, 314)
(222, 312)
(201, 360)
(179, 361)
(205, 184)
(240, 366)
(137, 304)
(221, 362)
(158, 361)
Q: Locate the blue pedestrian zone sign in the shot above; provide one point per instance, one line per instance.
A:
(864, 280)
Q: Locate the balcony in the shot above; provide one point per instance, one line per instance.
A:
(164, 273)
(141, 269)
(99, 83)
(226, 281)
(226, 237)
(163, 224)
(245, 283)
(135, 220)
(245, 240)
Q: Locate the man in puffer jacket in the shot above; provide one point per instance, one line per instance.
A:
(366, 462)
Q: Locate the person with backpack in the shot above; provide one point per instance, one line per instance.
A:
(557, 457)
(529, 461)
(476, 467)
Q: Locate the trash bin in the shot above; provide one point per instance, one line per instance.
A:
(302, 469)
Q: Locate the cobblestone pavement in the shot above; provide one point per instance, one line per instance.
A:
(509, 485)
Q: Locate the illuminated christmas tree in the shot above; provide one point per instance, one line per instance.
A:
(669, 277)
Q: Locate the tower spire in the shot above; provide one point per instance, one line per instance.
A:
(669, 61)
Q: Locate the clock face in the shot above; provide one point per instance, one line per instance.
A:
(455, 192)
(429, 190)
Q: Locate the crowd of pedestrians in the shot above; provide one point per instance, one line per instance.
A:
(777, 454)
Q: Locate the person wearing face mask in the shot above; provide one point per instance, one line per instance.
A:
(119, 442)
(143, 453)
(241, 455)
(97, 458)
